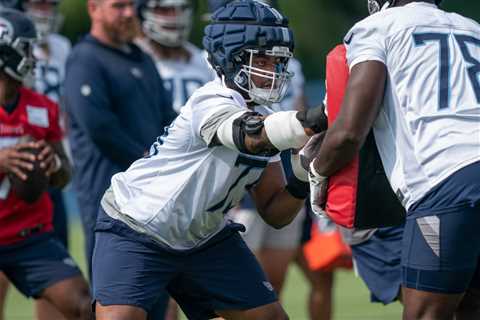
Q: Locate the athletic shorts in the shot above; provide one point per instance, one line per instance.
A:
(259, 235)
(131, 269)
(441, 241)
(37, 263)
(378, 263)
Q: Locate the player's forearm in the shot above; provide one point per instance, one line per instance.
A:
(338, 149)
(63, 174)
(61, 178)
(281, 209)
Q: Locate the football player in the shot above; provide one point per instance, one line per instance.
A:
(50, 51)
(415, 80)
(33, 259)
(162, 222)
(166, 25)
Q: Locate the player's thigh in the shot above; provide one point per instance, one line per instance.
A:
(225, 275)
(419, 304)
(126, 271)
(71, 297)
(40, 264)
(273, 311)
(440, 252)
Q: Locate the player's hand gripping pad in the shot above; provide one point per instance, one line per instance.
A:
(359, 195)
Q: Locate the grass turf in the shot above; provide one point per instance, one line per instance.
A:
(351, 296)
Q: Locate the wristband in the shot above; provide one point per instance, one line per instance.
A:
(297, 188)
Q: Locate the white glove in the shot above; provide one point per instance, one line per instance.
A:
(318, 191)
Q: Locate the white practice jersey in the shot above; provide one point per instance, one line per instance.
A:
(180, 194)
(181, 78)
(429, 125)
(50, 68)
(295, 88)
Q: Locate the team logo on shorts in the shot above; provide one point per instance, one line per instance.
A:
(268, 285)
(69, 262)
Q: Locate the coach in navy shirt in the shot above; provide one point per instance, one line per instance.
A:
(116, 104)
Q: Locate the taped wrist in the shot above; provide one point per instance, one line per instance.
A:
(297, 188)
(285, 131)
(314, 118)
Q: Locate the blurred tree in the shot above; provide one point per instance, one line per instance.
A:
(318, 24)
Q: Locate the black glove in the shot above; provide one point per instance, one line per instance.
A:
(314, 118)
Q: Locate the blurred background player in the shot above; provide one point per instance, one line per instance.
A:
(166, 25)
(34, 260)
(116, 104)
(50, 51)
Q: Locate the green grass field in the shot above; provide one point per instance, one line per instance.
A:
(351, 296)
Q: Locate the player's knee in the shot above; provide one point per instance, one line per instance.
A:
(423, 311)
(277, 313)
(80, 308)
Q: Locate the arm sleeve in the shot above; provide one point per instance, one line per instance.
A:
(210, 113)
(366, 42)
(88, 99)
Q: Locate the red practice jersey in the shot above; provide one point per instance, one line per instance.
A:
(38, 117)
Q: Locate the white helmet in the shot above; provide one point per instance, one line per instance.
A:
(45, 16)
(167, 22)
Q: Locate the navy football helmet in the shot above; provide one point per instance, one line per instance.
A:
(375, 6)
(240, 31)
(214, 5)
(167, 22)
(17, 37)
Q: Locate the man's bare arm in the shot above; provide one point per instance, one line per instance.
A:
(359, 110)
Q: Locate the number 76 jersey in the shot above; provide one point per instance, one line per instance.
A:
(429, 125)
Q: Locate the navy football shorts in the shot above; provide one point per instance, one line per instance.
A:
(378, 263)
(441, 252)
(37, 263)
(441, 241)
(130, 269)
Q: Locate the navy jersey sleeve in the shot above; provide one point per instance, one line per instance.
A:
(88, 100)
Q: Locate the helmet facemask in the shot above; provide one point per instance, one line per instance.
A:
(171, 30)
(16, 58)
(47, 19)
(275, 80)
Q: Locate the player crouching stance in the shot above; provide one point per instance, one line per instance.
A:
(162, 225)
(30, 256)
